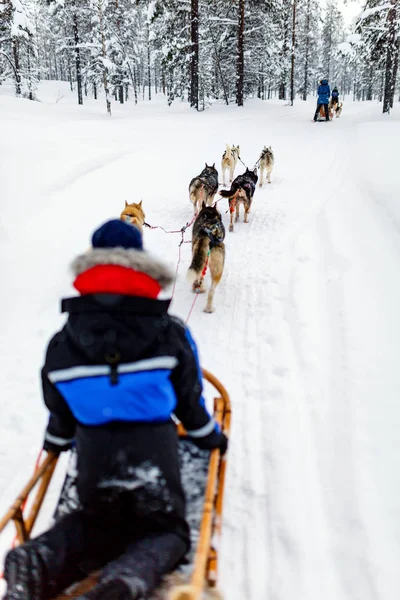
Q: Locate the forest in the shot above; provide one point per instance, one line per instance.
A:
(200, 51)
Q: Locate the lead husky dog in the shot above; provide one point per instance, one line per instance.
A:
(228, 162)
(241, 192)
(207, 244)
(203, 187)
(266, 164)
(133, 214)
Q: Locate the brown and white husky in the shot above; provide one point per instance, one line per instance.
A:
(133, 214)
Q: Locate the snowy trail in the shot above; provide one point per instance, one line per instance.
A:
(305, 333)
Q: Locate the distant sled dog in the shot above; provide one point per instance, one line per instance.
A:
(133, 214)
(337, 109)
(266, 164)
(241, 192)
(203, 188)
(228, 162)
(207, 245)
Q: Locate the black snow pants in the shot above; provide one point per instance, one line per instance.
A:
(326, 111)
(80, 544)
(131, 522)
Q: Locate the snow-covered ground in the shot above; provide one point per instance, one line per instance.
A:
(306, 330)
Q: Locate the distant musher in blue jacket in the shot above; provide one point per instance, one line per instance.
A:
(335, 96)
(324, 92)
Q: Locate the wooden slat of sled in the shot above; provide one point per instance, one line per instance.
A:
(25, 526)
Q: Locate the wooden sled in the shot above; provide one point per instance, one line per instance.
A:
(205, 519)
(321, 113)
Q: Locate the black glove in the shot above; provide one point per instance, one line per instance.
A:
(56, 448)
(216, 439)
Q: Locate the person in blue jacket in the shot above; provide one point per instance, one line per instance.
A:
(112, 379)
(335, 96)
(324, 92)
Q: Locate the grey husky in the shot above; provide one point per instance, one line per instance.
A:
(203, 187)
(266, 164)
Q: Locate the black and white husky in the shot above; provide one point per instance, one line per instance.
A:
(208, 250)
(241, 192)
(266, 164)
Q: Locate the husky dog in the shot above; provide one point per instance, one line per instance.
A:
(266, 164)
(337, 109)
(229, 160)
(133, 214)
(203, 187)
(207, 245)
(242, 191)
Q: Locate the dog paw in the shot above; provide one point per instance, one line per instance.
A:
(230, 227)
(208, 309)
(260, 185)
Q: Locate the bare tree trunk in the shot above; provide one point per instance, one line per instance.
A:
(395, 67)
(104, 54)
(77, 58)
(293, 53)
(148, 60)
(284, 52)
(390, 60)
(370, 81)
(163, 80)
(30, 82)
(194, 62)
(15, 47)
(240, 56)
(306, 57)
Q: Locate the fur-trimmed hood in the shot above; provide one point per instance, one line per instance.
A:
(138, 260)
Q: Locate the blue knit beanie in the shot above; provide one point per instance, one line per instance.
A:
(117, 233)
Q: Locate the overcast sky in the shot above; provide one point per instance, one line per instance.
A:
(349, 8)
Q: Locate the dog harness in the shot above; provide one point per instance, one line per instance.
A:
(214, 234)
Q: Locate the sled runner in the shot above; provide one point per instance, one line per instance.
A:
(203, 475)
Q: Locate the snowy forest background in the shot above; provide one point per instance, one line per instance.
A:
(200, 50)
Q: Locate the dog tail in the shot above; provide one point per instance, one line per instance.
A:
(227, 193)
(199, 258)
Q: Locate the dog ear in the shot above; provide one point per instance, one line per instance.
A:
(126, 204)
(213, 165)
(206, 165)
(140, 203)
